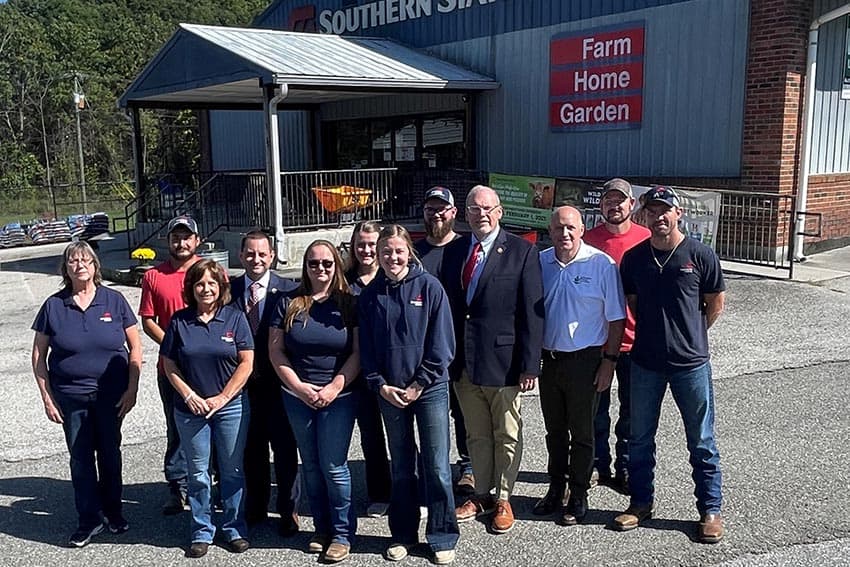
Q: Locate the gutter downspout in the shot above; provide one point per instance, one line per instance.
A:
(808, 126)
(272, 97)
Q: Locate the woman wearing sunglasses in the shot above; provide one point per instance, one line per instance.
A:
(407, 344)
(313, 346)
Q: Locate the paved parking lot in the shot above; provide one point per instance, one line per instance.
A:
(782, 380)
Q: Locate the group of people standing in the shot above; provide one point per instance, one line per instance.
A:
(396, 341)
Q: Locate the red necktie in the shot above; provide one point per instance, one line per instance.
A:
(253, 307)
(469, 267)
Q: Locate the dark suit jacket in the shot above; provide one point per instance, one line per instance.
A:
(278, 287)
(500, 333)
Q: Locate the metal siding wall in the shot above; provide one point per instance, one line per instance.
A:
(831, 132)
(694, 73)
(393, 105)
(238, 140)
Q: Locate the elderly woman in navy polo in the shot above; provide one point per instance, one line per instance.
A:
(88, 382)
(208, 354)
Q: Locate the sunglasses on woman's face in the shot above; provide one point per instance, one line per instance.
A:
(326, 264)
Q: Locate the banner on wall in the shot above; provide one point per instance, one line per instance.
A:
(845, 91)
(528, 201)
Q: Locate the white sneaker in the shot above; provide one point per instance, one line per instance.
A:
(444, 557)
(423, 512)
(397, 551)
(377, 509)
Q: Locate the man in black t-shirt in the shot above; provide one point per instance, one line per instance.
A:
(439, 212)
(674, 287)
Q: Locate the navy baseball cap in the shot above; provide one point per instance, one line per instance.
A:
(664, 195)
(440, 193)
(184, 221)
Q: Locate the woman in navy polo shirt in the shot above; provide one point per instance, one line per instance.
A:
(208, 354)
(406, 344)
(88, 382)
(313, 347)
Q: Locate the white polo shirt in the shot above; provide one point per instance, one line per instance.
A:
(581, 298)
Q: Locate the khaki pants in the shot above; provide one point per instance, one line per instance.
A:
(493, 434)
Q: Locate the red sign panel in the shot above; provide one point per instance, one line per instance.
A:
(596, 78)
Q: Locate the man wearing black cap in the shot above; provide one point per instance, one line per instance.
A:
(162, 296)
(674, 287)
(439, 212)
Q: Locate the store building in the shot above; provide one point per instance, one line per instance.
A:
(699, 93)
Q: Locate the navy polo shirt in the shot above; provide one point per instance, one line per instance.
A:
(87, 348)
(319, 348)
(207, 354)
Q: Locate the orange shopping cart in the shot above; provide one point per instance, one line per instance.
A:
(343, 200)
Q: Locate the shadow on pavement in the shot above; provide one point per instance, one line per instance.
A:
(45, 265)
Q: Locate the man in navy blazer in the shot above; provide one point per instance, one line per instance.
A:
(495, 288)
(257, 293)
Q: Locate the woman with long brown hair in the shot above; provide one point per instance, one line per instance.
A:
(313, 346)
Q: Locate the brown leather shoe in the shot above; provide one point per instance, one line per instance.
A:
(503, 520)
(474, 507)
(710, 528)
(632, 517)
(336, 552)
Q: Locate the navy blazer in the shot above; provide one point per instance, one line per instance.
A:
(500, 333)
(278, 287)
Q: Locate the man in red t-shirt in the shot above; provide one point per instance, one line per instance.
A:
(614, 237)
(162, 296)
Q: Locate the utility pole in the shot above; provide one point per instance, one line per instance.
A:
(79, 104)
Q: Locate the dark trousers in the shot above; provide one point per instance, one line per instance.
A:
(374, 445)
(568, 399)
(464, 462)
(269, 426)
(93, 435)
(602, 423)
(174, 463)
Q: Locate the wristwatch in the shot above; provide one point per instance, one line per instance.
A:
(611, 357)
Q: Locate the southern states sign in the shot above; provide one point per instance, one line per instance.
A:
(596, 79)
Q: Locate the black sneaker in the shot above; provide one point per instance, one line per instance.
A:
(82, 536)
(118, 526)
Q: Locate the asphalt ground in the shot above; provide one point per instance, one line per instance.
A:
(781, 370)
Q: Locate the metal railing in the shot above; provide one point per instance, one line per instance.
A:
(58, 201)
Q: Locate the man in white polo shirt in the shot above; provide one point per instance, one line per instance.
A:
(585, 316)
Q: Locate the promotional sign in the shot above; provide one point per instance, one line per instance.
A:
(596, 78)
(527, 201)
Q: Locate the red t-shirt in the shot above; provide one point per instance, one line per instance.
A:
(162, 295)
(615, 245)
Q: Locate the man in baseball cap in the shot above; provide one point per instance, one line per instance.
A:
(664, 195)
(183, 221)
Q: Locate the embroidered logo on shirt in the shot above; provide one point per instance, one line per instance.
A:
(106, 317)
(417, 301)
(687, 268)
(228, 337)
(581, 280)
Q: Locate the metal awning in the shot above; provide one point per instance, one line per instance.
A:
(211, 66)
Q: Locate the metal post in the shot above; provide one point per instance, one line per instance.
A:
(80, 100)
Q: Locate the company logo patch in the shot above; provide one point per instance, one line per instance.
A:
(228, 337)
(106, 317)
(687, 268)
(578, 280)
(417, 301)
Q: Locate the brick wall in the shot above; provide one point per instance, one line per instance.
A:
(829, 195)
(774, 94)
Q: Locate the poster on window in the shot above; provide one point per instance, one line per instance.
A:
(527, 201)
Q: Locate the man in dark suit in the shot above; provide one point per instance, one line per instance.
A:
(494, 285)
(257, 293)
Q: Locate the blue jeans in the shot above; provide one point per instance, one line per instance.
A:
(174, 461)
(602, 423)
(694, 396)
(323, 437)
(93, 435)
(431, 412)
(227, 430)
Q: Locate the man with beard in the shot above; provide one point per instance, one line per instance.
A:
(614, 237)
(162, 296)
(439, 212)
(674, 287)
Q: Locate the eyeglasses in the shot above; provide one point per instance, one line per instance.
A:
(478, 210)
(80, 261)
(314, 264)
(437, 210)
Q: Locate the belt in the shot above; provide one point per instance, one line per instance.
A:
(594, 351)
